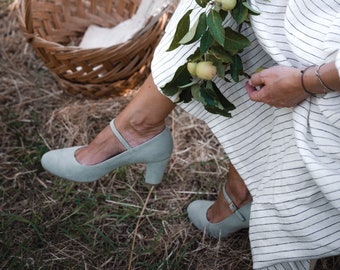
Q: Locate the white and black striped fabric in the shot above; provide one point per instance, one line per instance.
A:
(288, 157)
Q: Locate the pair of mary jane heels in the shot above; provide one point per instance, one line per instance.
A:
(156, 154)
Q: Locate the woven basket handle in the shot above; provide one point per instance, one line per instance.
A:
(28, 16)
(25, 19)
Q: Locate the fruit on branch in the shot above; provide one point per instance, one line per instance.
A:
(226, 4)
(191, 66)
(205, 70)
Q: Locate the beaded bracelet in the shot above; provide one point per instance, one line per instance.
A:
(326, 89)
(302, 82)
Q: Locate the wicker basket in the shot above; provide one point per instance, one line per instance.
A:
(50, 26)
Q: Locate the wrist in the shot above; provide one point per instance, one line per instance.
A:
(307, 80)
(314, 80)
(310, 82)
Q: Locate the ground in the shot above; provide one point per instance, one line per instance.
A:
(117, 222)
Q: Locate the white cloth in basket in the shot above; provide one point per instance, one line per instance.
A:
(101, 37)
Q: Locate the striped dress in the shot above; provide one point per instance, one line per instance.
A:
(288, 157)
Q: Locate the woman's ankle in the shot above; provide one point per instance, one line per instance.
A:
(138, 129)
(236, 188)
(238, 193)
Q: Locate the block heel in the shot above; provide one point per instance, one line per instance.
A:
(155, 171)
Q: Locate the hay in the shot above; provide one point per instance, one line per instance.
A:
(50, 223)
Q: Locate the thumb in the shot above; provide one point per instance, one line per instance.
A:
(253, 93)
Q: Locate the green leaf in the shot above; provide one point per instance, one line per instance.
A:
(181, 30)
(185, 96)
(235, 41)
(206, 42)
(216, 29)
(239, 13)
(221, 54)
(223, 106)
(250, 9)
(209, 85)
(196, 31)
(209, 96)
(223, 14)
(196, 93)
(227, 105)
(216, 110)
(236, 67)
(181, 77)
(169, 89)
(221, 70)
(202, 3)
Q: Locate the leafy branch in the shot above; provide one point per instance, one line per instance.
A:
(217, 53)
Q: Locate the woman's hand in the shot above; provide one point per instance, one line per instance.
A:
(278, 86)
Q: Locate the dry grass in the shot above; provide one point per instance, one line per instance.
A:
(49, 223)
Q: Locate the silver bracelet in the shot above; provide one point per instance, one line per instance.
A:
(302, 81)
(326, 89)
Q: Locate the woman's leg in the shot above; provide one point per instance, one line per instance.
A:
(238, 192)
(142, 119)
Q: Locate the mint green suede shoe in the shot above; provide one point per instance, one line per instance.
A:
(155, 153)
(197, 212)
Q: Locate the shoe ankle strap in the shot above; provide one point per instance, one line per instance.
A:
(232, 205)
(119, 136)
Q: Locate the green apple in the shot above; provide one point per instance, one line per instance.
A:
(205, 70)
(191, 66)
(227, 4)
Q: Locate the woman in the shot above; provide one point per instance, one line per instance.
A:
(283, 139)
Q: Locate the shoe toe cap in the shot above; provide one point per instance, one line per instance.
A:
(197, 213)
(61, 162)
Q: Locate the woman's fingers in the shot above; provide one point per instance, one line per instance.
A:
(256, 79)
(253, 93)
